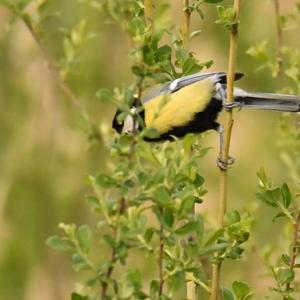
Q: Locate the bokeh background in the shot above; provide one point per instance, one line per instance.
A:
(45, 157)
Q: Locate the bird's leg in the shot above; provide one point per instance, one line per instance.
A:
(221, 92)
(223, 165)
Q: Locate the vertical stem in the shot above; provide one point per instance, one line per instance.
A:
(160, 258)
(279, 36)
(191, 288)
(294, 248)
(186, 24)
(227, 136)
(149, 15)
(113, 259)
(191, 291)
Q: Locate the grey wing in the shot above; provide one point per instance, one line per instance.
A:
(177, 84)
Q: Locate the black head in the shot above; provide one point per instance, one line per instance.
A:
(118, 126)
(129, 123)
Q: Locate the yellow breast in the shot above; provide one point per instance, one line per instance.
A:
(178, 109)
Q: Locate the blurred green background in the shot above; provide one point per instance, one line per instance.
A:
(45, 158)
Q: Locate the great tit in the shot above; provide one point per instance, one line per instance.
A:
(191, 104)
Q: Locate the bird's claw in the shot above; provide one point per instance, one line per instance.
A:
(225, 165)
(230, 106)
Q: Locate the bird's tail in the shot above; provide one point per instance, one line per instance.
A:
(279, 102)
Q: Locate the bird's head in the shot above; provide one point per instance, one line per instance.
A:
(129, 121)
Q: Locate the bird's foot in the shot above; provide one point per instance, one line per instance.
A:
(230, 106)
(225, 165)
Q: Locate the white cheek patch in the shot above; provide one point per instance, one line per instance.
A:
(128, 126)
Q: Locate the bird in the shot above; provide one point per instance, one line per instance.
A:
(191, 104)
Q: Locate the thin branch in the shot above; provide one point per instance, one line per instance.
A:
(191, 287)
(294, 249)
(279, 36)
(113, 259)
(122, 204)
(51, 66)
(149, 15)
(227, 136)
(186, 24)
(160, 258)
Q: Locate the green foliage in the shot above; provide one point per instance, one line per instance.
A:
(197, 6)
(283, 199)
(277, 197)
(129, 199)
(144, 202)
(236, 232)
(76, 296)
(240, 291)
(227, 17)
(72, 43)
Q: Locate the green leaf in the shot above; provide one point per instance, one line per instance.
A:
(268, 198)
(154, 286)
(264, 181)
(109, 240)
(69, 50)
(187, 204)
(212, 249)
(125, 290)
(285, 276)
(145, 151)
(279, 215)
(104, 94)
(242, 290)
(79, 263)
(187, 228)
(168, 217)
(227, 294)
(105, 181)
(138, 71)
(162, 196)
(186, 192)
(199, 181)
(188, 141)
(232, 217)
(226, 17)
(76, 296)
(259, 52)
(194, 34)
(176, 281)
(286, 195)
(137, 24)
(214, 236)
(57, 243)
(163, 53)
(286, 259)
(149, 234)
(190, 66)
(151, 133)
(84, 237)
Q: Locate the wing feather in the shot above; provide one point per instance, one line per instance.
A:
(165, 112)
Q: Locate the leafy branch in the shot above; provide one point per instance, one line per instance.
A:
(233, 20)
(280, 199)
(18, 11)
